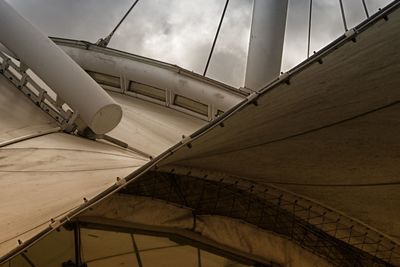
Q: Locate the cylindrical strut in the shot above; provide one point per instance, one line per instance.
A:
(266, 42)
(72, 84)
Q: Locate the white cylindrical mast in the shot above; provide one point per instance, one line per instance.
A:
(72, 84)
(266, 42)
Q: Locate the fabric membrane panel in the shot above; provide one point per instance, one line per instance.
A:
(330, 131)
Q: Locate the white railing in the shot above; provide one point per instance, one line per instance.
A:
(45, 99)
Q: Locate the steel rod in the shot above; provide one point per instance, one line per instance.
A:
(135, 246)
(216, 37)
(27, 259)
(309, 29)
(123, 18)
(77, 241)
(343, 15)
(104, 42)
(365, 8)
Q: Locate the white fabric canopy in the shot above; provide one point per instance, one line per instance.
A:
(327, 132)
(330, 135)
(48, 175)
(240, 237)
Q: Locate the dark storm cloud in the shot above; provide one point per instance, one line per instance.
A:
(176, 31)
(181, 31)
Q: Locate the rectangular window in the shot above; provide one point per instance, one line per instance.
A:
(105, 79)
(190, 104)
(147, 90)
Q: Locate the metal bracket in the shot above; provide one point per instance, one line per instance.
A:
(54, 224)
(285, 77)
(5, 64)
(69, 125)
(186, 140)
(120, 182)
(350, 33)
(36, 93)
(252, 97)
(24, 80)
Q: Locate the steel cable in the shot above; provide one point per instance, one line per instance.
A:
(215, 38)
(103, 42)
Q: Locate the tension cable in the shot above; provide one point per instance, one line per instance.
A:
(215, 38)
(103, 42)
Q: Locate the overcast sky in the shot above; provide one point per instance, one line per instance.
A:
(181, 31)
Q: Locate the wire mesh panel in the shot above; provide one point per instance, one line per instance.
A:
(322, 231)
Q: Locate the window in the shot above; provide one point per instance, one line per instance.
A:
(147, 90)
(105, 79)
(190, 104)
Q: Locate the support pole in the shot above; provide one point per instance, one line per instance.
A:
(65, 77)
(77, 240)
(266, 42)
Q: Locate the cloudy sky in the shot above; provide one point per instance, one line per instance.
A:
(181, 31)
